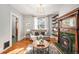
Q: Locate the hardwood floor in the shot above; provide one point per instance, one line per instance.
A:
(18, 47)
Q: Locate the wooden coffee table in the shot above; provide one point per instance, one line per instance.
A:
(40, 48)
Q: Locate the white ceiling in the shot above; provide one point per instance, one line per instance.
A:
(33, 9)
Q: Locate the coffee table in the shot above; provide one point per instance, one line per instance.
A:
(40, 48)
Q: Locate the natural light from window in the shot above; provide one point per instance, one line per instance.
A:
(39, 23)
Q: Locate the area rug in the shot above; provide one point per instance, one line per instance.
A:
(52, 49)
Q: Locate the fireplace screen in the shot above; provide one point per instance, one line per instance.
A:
(67, 42)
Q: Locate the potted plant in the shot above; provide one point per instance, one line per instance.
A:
(40, 39)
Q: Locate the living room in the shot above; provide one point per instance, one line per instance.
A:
(23, 24)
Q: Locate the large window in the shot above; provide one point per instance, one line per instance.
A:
(35, 23)
(40, 23)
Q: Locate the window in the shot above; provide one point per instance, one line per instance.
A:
(35, 23)
(40, 23)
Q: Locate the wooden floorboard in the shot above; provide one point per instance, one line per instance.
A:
(18, 45)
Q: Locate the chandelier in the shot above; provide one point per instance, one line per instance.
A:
(40, 9)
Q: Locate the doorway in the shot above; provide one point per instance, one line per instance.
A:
(14, 29)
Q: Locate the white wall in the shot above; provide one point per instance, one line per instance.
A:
(28, 23)
(5, 25)
(67, 8)
(21, 28)
(20, 21)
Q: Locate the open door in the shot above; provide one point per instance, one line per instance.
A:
(14, 29)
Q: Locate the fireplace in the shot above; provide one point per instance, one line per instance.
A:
(67, 42)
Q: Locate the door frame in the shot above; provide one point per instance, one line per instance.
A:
(12, 14)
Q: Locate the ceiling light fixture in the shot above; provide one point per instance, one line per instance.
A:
(40, 9)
